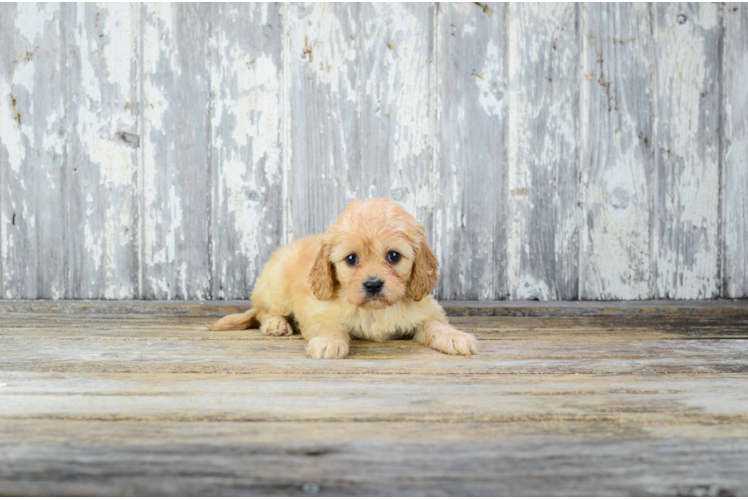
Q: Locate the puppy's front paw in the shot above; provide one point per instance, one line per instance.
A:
(327, 348)
(454, 342)
(276, 326)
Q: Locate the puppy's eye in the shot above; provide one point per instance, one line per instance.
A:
(393, 257)
(352, 259)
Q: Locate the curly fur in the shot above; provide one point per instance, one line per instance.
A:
(310, 281)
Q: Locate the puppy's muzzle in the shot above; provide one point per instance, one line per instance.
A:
(373, 286)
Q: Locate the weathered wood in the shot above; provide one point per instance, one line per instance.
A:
(534, 399)
(735, 151)
(647, 309)
(164, 151)
(104, 145)
(325, 87)
(574, 466)
(471, 220)
(247, 145)
(32, 342)
(543, 75)
(34, 175)
(616, 142)
(310, 436)
(176, 168)
(361, 103)
(709, 324)
(397, 110)
(154, 404)
(686, 184)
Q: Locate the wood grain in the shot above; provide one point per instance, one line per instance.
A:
(686, 196)
(516, 308)
(247, 145)
(397, 109)
(735, 151)
(176, 201)
(617, 151)
(124, 402)
(103, 156)
(361, 125)
(653, 467)
(543, 235)
(33, 150)
(325, 88)
(471, 223)
(552, 151)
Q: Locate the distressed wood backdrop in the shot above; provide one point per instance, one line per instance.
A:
(565, 151)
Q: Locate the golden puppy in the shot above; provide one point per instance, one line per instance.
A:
(368, 277)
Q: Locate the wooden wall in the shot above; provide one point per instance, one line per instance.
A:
(563, 151)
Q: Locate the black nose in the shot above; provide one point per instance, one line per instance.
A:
(373, 286)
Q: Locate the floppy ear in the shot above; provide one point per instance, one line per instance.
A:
(322, 276)
(424, 274)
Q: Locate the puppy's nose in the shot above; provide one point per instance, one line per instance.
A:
(373, 286)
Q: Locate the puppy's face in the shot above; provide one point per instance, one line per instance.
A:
(376, 254)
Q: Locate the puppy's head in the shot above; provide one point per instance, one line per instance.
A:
(377, 254)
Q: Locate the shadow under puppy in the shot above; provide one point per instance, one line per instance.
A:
(368, 277)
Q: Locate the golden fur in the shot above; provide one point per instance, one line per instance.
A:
(310, 281)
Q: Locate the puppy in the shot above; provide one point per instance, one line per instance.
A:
(368, 277)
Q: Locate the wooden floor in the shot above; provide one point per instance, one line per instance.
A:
(567, 399)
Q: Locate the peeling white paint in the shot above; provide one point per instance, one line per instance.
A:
(531, 289)
(32, 18)
(120, 29)
(105, 36)
(10, 132)
(377, 68)
(687, 149)
(246, 80)
(487, 81)
(735, 159)
(541, 148)
(615, 255)
(331, 53)
(257, 111)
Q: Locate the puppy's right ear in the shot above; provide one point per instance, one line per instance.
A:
(322, 276)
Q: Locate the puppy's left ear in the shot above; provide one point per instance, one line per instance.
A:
(322, 276)
(424, 274)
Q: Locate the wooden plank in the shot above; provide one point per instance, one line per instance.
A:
(146, 404)
(247, 143)
(176, 167)
(104, 147)
(596, 346)
(686, 196)
(361, 126)
(138, 326)
(735, 151)
(321, 435)
(543, 235)
(471, 218)
(396, 99)
(325, 76)
(627, 401)
(214, 309)
(289, 360)
(616, 144)
(33, 148)
(613, 467)
(181, 328)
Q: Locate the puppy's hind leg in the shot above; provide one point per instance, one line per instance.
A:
(274, 325)
(234, 322)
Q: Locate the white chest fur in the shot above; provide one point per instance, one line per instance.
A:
(397, 321)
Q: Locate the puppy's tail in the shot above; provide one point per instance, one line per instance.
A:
(240, 321)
